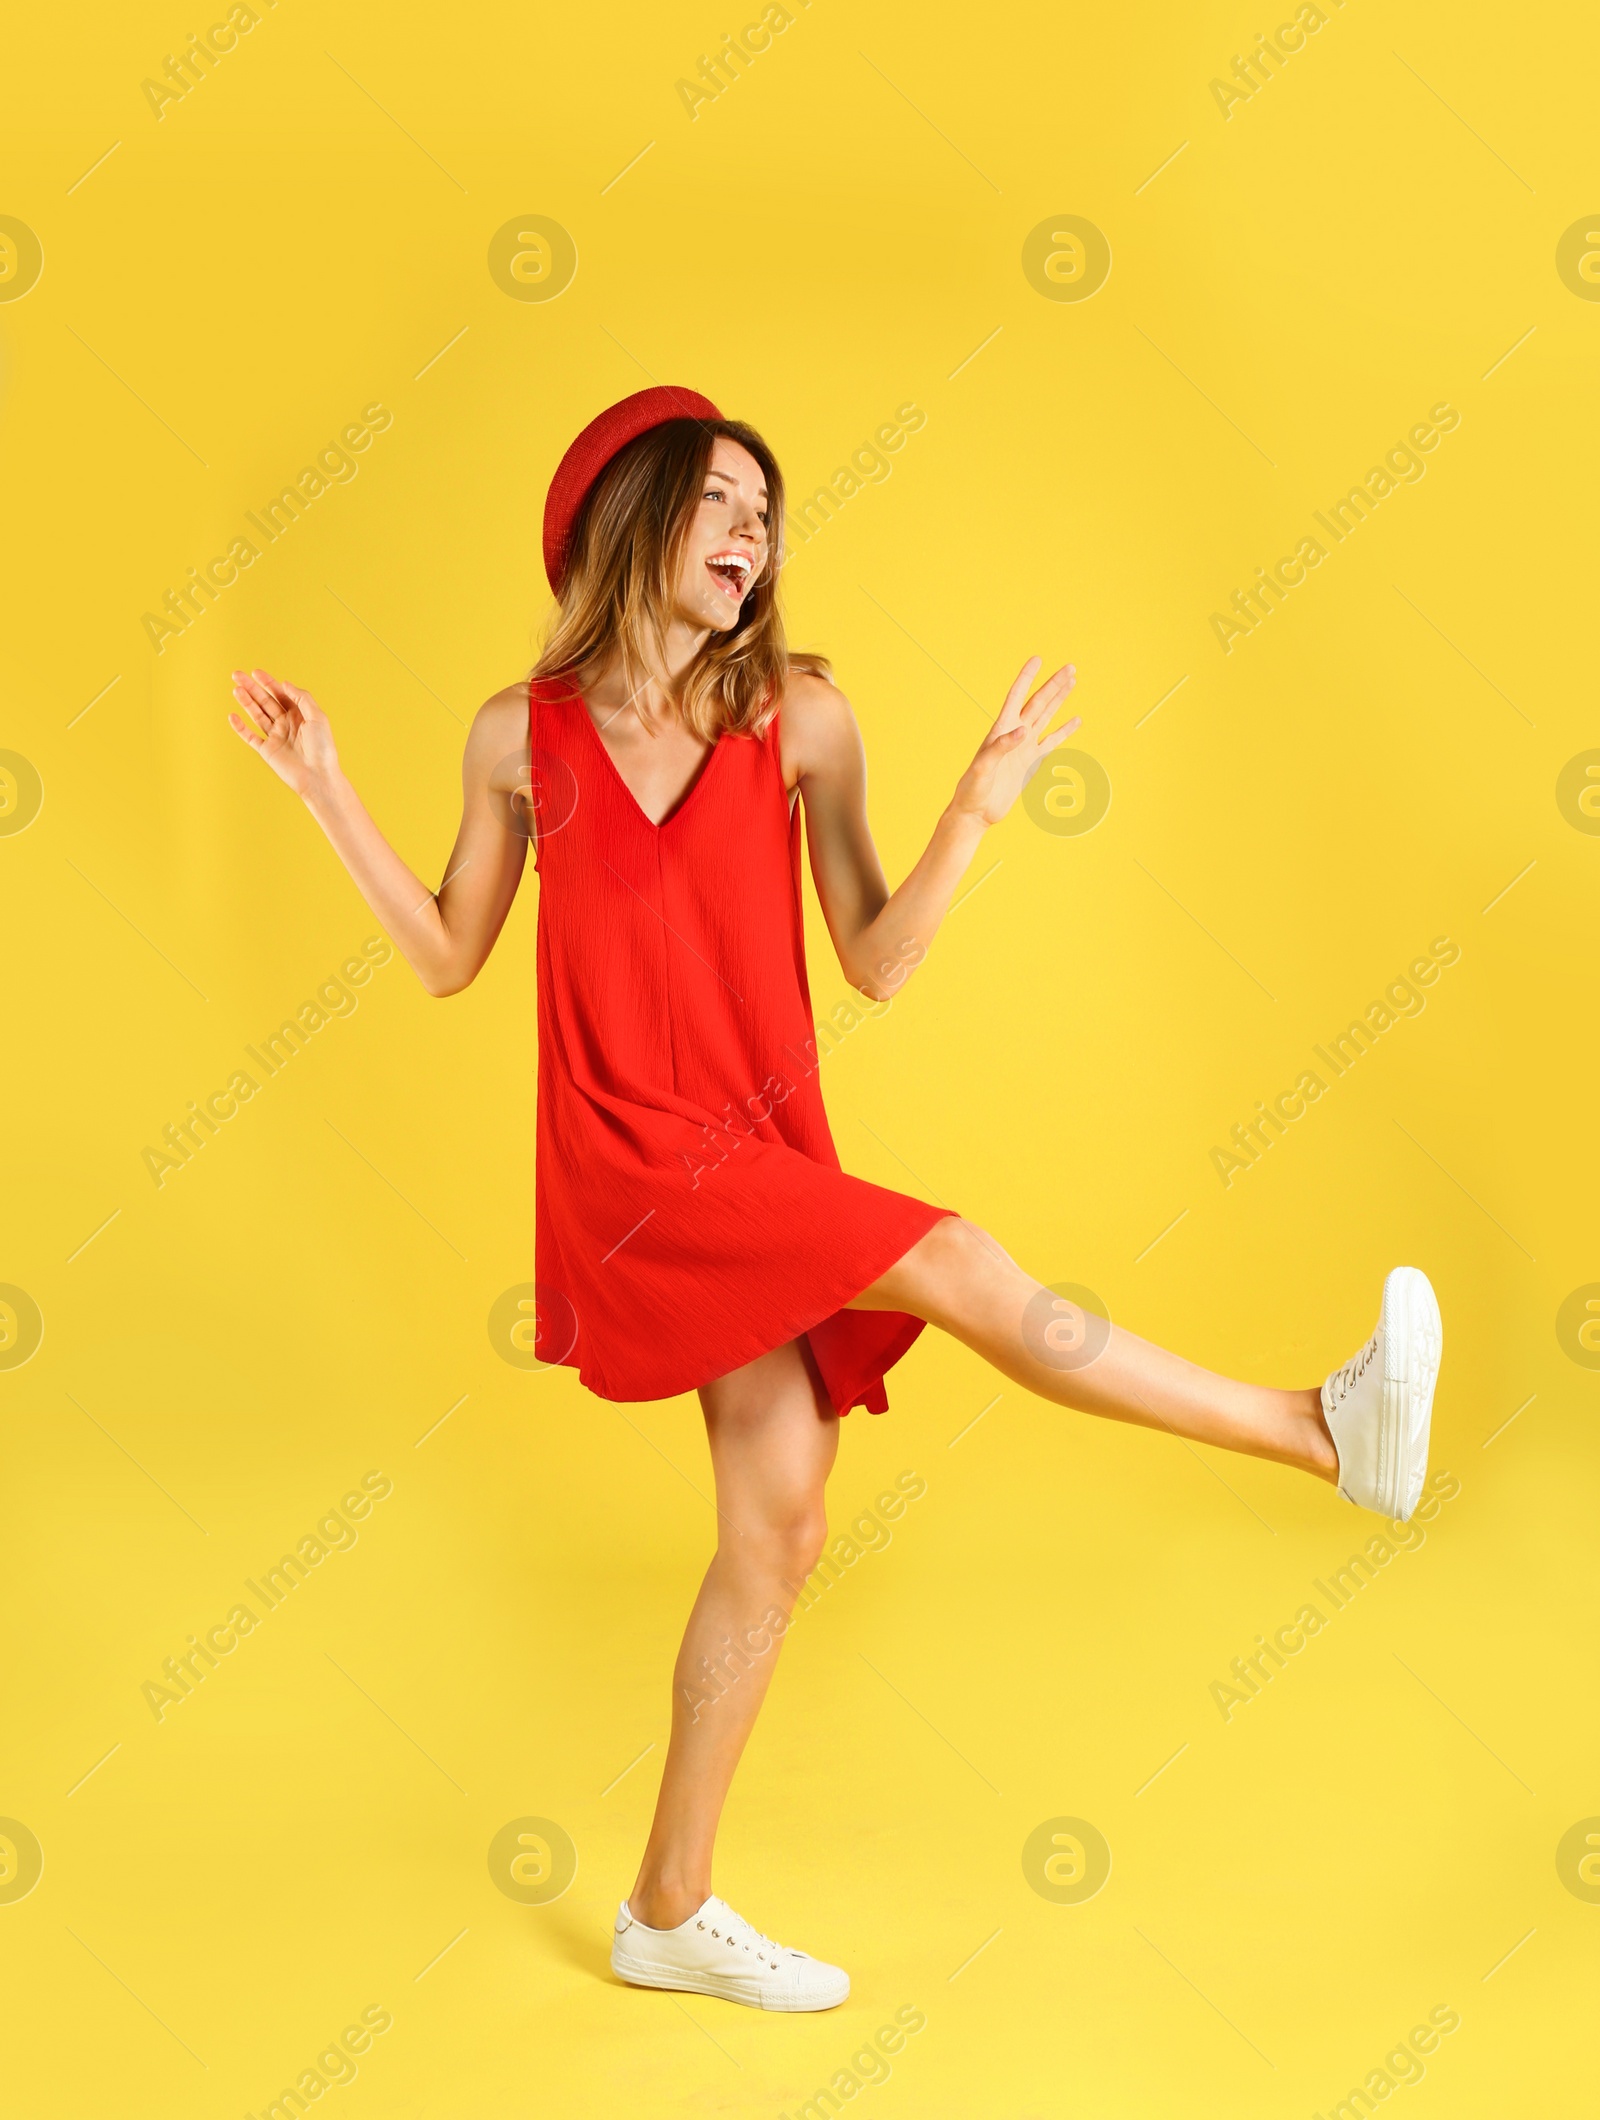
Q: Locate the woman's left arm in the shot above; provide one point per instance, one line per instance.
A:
(881, 936)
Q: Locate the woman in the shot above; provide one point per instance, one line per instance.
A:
(693, 1229)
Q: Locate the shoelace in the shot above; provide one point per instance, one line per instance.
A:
(1345, 1381)
(755, 1934)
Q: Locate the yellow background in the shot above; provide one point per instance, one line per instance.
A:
(830, 238)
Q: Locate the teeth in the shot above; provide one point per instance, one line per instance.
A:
(731, 559)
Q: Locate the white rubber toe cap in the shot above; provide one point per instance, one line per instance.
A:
(1379, 1405)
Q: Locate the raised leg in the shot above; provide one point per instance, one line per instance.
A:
(773, 1439)
(958, 1278)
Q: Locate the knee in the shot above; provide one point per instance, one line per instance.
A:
(800, 1542)
(789, 1541)
(969, 1243)
(951, 1259)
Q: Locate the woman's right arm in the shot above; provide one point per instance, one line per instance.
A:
(445, 935)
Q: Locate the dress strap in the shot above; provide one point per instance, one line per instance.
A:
(535, 762)
(552, 790)
(772, 738)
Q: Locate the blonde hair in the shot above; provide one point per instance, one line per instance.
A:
(618, 593)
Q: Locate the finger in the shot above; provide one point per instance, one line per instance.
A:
(1057, 687)
(1049, 695)
(274, 687)
(1006, 740)
(289, 697)
(245, 684)
(259, 714)
(1019, 691)
(302, 701)
(1019, 688)
(245, 733)
(249, 690)
(1059, 736)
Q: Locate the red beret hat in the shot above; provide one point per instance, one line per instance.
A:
(599, 442)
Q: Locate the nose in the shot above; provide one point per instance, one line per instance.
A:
(747, 520)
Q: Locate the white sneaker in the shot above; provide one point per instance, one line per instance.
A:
(714, 1952)
(1379, 1406)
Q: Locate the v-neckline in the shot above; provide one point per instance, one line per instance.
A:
(683, 801)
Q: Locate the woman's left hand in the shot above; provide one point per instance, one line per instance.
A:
(1016, 746)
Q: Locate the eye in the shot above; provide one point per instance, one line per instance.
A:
(714, 493)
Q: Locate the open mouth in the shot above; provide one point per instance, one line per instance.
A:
(732, 572)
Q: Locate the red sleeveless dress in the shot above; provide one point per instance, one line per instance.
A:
(690, 1212)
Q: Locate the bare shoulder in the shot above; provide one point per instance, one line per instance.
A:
(506, 710)
(497, 742)
(817, 728)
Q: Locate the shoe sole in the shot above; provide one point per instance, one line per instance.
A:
(1413, 1344)
(722, 1986)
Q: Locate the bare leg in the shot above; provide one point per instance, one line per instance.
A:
(773, 1439)
(959, 1279)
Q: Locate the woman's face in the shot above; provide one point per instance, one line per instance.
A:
(726, 549)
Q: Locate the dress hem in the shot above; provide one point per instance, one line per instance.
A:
(855, 1390)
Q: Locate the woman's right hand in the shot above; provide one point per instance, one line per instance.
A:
(287, 728)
